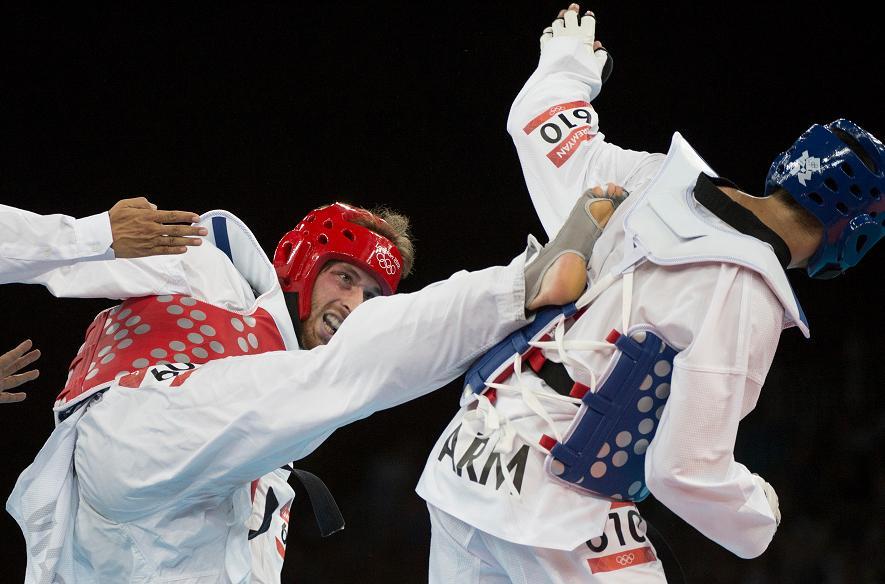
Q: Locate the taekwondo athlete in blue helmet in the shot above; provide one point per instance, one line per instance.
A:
(640, 386)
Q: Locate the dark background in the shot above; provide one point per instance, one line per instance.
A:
(271, 110)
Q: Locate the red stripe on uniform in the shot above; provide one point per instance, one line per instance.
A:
(133, 380)
(564, 150)
(541, 118)
(621, 560)
(619, 504)
(181, 378)
(281, 547)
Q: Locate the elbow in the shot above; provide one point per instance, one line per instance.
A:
(512, 128)
(516, 120)
(719, 515)
(751, 548)
(750, 542)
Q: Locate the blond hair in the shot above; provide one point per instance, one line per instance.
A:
(395, 227)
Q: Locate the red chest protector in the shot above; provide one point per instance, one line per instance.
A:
(156, 330)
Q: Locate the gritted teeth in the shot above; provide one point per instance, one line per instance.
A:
(332, 321)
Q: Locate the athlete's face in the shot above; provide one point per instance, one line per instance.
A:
(339, 288)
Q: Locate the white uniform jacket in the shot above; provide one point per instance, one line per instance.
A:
(203, 273)
(32, 243)
(724, 314)
(162, 485)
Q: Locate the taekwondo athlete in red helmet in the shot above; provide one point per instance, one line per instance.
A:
(195, 386)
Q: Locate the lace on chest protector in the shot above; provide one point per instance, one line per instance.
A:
(616, 416)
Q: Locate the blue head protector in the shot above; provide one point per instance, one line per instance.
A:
(837, 173)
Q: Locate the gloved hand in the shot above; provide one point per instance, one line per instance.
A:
(771, 495)
(569, 24)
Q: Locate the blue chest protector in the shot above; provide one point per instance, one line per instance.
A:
(603, 451)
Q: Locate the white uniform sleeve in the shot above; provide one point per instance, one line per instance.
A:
(203, 272)
(690, 465)
(256, 413)
(29, 241)
(116, 279)
(556, 133)
(73, 258)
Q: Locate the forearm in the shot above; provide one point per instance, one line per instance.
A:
(114, 279)
(203, 272)
(31, 243)
(73, 257)
(690, 464)
(566, 71)
(556, 134)
(552, 125)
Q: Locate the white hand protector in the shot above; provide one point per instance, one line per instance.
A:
(582, 28)
(771, 495)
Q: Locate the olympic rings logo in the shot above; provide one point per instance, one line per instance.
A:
(556, 109)
(386, 262)
(626, 559)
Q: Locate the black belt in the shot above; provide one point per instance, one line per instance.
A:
(325, 509)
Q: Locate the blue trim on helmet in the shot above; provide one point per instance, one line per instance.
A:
(829, 179)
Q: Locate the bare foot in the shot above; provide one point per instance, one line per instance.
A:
(563, 282)
(603, 208)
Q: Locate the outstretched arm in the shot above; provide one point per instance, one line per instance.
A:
(556, 129)
(194, 273)
(32, 245)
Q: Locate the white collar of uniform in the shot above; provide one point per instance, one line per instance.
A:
(229, 234)
(670, 197)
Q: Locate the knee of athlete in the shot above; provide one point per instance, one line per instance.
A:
(104, 483)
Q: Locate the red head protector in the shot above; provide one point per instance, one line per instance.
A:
(329, 233)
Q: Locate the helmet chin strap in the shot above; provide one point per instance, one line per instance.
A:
(291, 299)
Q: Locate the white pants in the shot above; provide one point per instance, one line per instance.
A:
(461, 554)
